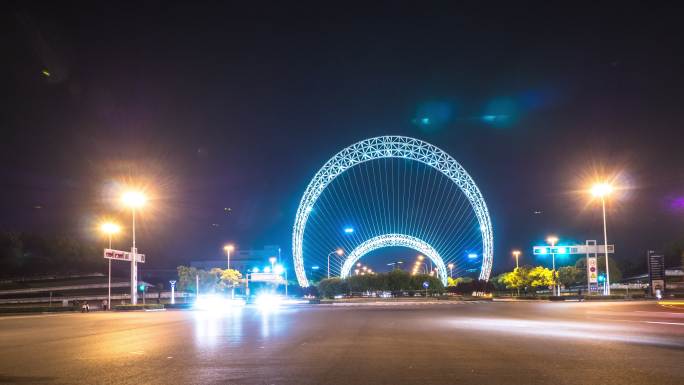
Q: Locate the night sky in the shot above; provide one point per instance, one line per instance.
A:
(224, 113)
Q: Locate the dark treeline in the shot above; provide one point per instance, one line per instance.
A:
(25, 254)
(394, 281)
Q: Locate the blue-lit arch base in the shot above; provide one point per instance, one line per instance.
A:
(391, 240)
(391, 147)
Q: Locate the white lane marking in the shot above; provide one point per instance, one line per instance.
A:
(665, 323)
(635, 321)
(658, 313)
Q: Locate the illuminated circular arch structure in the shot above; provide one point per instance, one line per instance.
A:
(391, 240)
(391, 147)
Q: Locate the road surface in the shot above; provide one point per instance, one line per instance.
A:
(455, 343)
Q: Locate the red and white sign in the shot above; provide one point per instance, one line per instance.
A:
(592, 270)
(123, 255)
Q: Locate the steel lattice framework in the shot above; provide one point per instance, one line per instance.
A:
(391, 147)
(389, 240)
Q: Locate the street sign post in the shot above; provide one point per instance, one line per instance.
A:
(656, 273)
(590, 249)
(592, 267)
(173, 292)
(120, 255)
(592, 271)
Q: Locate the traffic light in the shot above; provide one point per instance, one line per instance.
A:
(601, 278)
(141, 287)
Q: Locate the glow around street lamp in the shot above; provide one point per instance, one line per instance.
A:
(601, 190)
(110, 228)
(133, 199)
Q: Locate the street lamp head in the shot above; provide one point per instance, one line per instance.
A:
(601, 190)
(272, 260)
(133, 199)
(279, 269)
(451, 265)
(516, 253)
(420, 257)
(228, 247)
(552, 239)
(339, 252)
(110, 228)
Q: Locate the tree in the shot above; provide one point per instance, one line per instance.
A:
(519, 278)
(230, 277)
(330, 287)
(209, 281)
(227, 279)
(397, 280)
(498, 281)
(540, 276)
(568, 275)
(435, 284)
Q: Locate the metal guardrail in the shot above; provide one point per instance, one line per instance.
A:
(98, 297)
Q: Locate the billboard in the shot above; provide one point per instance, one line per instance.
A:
(656, 272)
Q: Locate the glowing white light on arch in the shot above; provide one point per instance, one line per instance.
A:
(391, 147)
(392, 240)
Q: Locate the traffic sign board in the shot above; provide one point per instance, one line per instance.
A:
(575, 249)
(426, 284)
(123, 255)
(592, 273)
(266, 277)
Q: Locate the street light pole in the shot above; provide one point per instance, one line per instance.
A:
(605, 245)
(109, 228)
(109, 276)
(552, 240)
(228, 259)
(134, 267)
(134, 200)
(516, 254)
(601, 190)
(338, 252)
(228, 249)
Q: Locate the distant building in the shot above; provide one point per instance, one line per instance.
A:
(674, 279)
(241, 259)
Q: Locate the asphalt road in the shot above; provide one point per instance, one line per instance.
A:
(464, 343)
